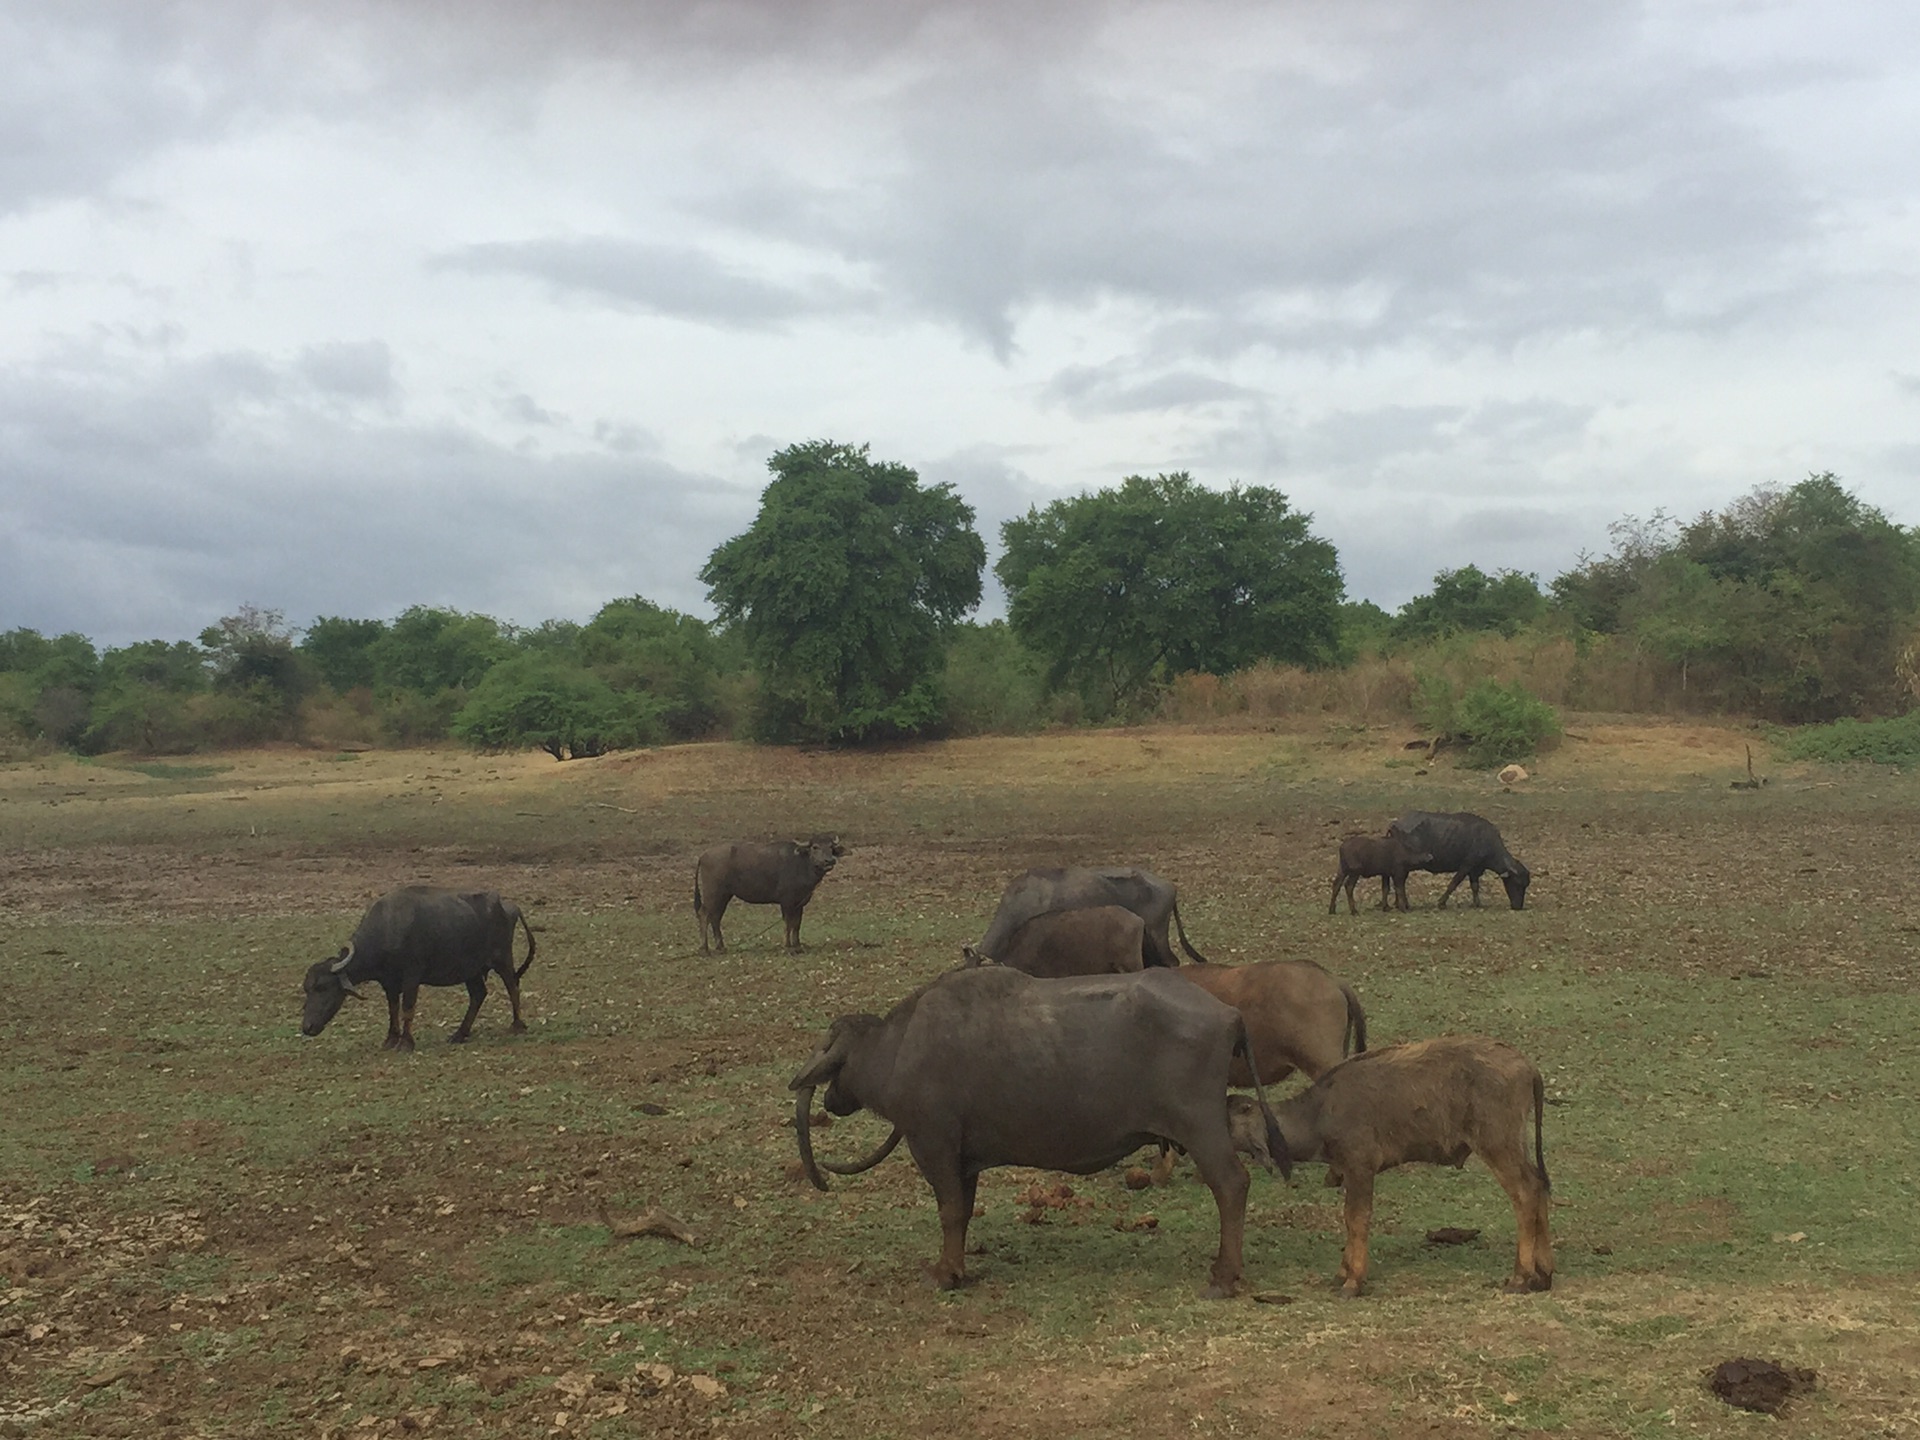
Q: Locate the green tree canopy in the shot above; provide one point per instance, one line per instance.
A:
(1794, 603)
(674, 659)
(844, 589)
(427, 650)
(1469, 599)
(555, 704)
(342, 651)
(1124, 588)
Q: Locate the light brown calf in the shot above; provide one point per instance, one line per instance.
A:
(1298, 1017)
(1431, 1101)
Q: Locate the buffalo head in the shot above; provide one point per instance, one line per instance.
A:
(821, 852)
(1516, 881)
(825, 1067)
(327, 988)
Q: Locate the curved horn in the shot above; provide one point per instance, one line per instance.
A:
(803, 1131)
(886, 1149)
(343, 959)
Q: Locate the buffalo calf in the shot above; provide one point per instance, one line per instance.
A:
(1431, 1101)
(785, 873)
(1364, 856)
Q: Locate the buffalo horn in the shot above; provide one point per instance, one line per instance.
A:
(803, 1131)
(343, 959)
(886, 1149)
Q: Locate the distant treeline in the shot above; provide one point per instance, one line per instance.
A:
(841, 620)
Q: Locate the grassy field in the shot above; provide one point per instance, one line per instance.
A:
(209, 1226)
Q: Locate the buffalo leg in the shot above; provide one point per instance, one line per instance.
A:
(512, 983)
(1353, 1259)
(1333, 900)
(953, 1191)
(409, 994)
(393, 1017)
(1453, 885)
(1533, 1257)
(476, 992)
(1386, 887)
(1474, 882)
(791, 914)
(711, 917)
(1226, 1177)
(1400, 892)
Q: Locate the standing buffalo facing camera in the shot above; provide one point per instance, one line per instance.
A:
(784, 873)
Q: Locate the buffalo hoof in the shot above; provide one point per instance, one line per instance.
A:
(1217, 1291)
(519, 1027)
(459, 1037)
(945, 1279)
(1527, 1284)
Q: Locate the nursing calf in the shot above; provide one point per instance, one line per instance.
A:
(1430, 1101)
(1364, 856)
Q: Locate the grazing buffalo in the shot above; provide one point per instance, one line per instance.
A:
(1431, 1101)
(784, 873)
(421, 935)
(988, 1067)
(1106, 940)
(1464, 846)
(1364, 856)
(1039, 892)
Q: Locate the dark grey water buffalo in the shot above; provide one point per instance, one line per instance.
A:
(1039, 892)
(1431, 1101)
(988, 1067)
(784, 873)
(421, 935)
(1364, 856)
(1465, 846)
(1105, 940)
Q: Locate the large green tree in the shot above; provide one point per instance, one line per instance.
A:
(1469, 599)
(1125, 588)
(1793, 603)
(843, 591)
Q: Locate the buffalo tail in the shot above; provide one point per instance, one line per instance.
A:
(528, 962)
(1356, 1024)
(1276, 1142)
(1185, 944)
(1539, 1114)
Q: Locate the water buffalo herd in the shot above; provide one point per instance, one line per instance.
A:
(1074, 993)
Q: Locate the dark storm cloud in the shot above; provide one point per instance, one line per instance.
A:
(670, 280)
(139, 506)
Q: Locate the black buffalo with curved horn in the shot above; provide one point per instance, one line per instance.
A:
(421, 935)
(988, 1066)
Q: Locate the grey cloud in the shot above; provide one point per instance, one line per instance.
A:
(1116, 389)
(350, 370)
(307, 513)
(666, 280)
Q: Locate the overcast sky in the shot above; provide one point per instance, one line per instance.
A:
(340, 307)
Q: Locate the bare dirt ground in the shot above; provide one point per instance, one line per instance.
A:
(210, 1228)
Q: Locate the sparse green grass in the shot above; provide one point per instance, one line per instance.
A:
(1721, 990)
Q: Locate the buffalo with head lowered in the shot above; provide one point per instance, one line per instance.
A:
(421, 935)
(989, 1066)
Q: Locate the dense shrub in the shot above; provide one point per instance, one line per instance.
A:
(1501, 723)
(557, 706)
(1883, 742)
(994, 684)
